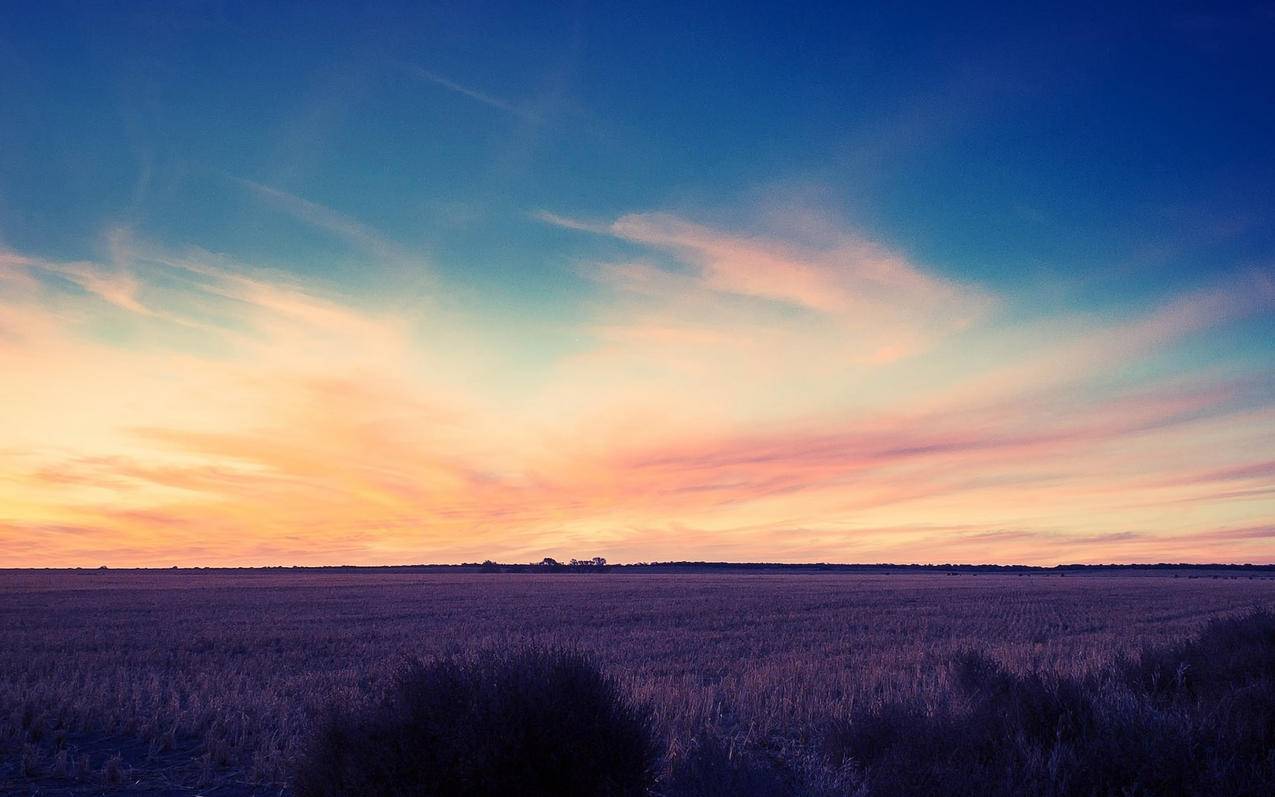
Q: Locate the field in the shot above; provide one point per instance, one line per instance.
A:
(164, 682)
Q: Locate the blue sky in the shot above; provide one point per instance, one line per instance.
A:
(474, 168)
(1116, 144)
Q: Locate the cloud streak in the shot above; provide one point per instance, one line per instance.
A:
(873, 298)
(473, 94)
(728, 399)
(324, 218)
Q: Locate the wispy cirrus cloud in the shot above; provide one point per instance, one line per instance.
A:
(473, 94)
(881, 304)
(112, 285)
(724, 403)
(338, 224)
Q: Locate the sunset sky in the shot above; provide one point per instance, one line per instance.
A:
(319, 284)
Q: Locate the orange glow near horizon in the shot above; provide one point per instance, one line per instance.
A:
(730, 397)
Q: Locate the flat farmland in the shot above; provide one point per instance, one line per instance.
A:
(168, 680)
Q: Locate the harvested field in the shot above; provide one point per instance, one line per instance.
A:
(214, 678)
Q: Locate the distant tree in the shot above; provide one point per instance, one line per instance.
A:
(599, 561)
(549, 561)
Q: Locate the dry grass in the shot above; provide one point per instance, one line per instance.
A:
(219, 676)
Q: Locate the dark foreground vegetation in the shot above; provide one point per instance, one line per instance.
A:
(1194, 718)
(530, 722)
(277, 683)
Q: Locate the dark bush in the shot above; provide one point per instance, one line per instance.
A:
(1227, 655)
(1222, 685)
(524, 722)
(1196, 718)
(711, 766)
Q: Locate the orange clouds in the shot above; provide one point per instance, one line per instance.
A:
(734, 397)
(872, 301)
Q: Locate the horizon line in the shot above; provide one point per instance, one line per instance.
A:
(682, 563)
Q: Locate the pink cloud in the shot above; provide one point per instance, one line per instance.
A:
(886, 307)
(755, 402)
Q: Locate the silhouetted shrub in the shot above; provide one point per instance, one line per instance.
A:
(1193, 718)
(1196, 718)
(711, 766)
(524, 722)
(1228, 654)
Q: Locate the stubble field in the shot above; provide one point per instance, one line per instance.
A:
(165, 682)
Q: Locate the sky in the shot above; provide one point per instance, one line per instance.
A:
(319, 283)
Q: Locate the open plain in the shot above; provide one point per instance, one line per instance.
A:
(183, 681)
